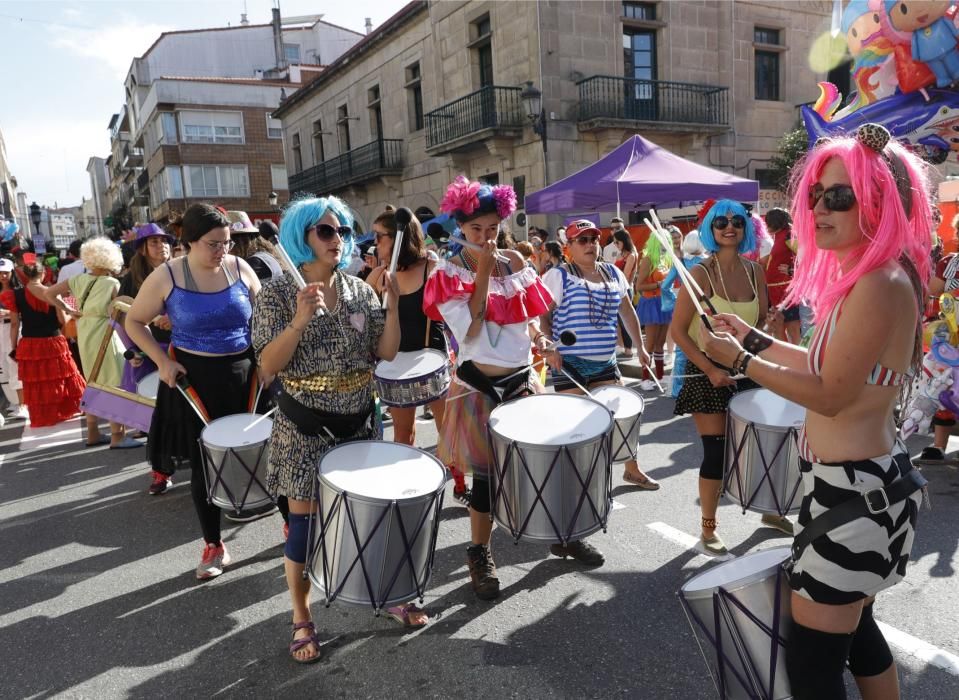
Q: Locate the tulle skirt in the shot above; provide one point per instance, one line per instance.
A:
(52, 384)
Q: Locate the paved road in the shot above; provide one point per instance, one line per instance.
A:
(98, 597)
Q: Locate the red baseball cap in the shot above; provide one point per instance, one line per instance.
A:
(580, 227)
(29, 258)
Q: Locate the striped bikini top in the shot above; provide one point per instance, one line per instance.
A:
(880, 375)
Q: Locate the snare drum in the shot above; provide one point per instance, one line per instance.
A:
(551, 476)
(375, 532)
(413, 378)
(627, 407)
(234, 461)
(741, 607)
(149, 385)
(762, 452)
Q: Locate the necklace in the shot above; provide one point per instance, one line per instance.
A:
(595, 310)
(470, 264)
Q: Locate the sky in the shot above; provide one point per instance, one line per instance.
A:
(63, 65)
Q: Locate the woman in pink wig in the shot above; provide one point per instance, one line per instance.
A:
(863, 222)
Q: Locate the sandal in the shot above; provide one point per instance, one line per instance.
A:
(647, 483)
(409, 615)
(102, 440)
(298, 644)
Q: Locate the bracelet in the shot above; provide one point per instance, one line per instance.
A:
(298, 330)
(738, 359)
(539, 335)
(745, 363)
(755, 342)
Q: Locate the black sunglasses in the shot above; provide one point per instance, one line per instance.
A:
(325, 232)
(722, 222)
(835, 198)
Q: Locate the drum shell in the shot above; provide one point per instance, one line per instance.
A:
(757, 594)
(516, 496)
(384, 548)
(413, 391)
(234, 477)
(625, 436)
(744, 474)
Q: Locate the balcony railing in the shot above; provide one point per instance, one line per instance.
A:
(488, 108)
(607, 97)
(132, 156)
(381, 157)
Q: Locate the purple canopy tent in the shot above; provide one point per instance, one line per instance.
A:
(639, 174)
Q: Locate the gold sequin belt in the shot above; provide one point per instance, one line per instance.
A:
(344, 383)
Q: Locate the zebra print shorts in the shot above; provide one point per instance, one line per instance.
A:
(862, 557)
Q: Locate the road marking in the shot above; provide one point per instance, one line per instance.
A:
(934, 656)
(685, 540)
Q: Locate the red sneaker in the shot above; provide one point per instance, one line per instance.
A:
(213, 560)
(161, 482)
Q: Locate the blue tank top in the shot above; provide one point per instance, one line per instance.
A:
(211, 322)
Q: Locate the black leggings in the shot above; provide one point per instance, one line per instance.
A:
(207, 513)
(627, 341)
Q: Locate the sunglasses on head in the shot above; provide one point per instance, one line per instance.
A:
(835, 198)
(736, 220)
(586, 240)
(325, 232)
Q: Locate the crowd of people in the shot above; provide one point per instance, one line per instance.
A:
(229, 315)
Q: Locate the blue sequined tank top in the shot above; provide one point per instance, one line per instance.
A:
(213, 322)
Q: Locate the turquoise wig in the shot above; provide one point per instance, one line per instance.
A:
(727, 207)
(300, 215)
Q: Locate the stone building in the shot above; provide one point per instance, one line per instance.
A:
(438, 90)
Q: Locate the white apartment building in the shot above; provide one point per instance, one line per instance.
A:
(63, 229)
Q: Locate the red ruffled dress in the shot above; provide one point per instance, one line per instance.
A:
(52, 385)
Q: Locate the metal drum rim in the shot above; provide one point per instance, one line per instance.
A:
(321, 478)
(775, 428)
(733, 586)
(551, 448)
(642, 399)
(212, 445)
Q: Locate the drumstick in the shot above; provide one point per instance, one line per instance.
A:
(268, 413)
(680, 270)
(256, 400)
(297, 277)
(473, 246)
(196, 409)
(666, 240)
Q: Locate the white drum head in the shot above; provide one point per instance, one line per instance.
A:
(149, 385)
(763, 407)
(550, 419)
(228, 431)
(382, 470)
(622, 402)
(737, 571)
(410, 365)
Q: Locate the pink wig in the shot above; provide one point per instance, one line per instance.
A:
(762, 236)
(888, 233)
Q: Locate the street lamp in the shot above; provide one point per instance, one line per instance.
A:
(35, 216)
(273, 199)
(533, 102)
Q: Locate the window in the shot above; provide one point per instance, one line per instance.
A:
(414, 97)
(274, 128)
(491, 179)
(343, 127)
(639, 65)
(174, 182)
(840, 77)
(483, 50)
(278, 175)
(767, 64)
(319, 153)
(768, 179)
(217, 180)
(376, 112)
(639, 10)
(291, 52)
(297, 154)
(166, 128)
(212, 127)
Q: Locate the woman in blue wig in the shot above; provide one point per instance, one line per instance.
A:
(733, 285)
(325, 368)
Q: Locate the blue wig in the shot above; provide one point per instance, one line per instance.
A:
(727, 207)
(300, 215)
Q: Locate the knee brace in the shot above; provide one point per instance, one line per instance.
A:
(815, 662)
(869, 654)
(297, 541)
(479, 495)
(714, 455)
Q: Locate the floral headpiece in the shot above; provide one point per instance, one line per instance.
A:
(464, 198)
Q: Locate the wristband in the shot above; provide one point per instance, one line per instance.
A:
(755, 342)
(746, 360)
(738, 359)
(539, 335)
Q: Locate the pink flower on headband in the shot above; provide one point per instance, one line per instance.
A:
(461, 196)
(505, 198)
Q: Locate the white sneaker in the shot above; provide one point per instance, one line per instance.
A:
(214, 559)
(17, 412)
(647, 385)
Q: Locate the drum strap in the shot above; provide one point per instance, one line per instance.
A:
(871, 503)
(316, 423)
(496, 389)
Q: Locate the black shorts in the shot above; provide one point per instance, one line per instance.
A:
(791, 313)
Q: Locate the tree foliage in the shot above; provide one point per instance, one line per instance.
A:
(792, 147)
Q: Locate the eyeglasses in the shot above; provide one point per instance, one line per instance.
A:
(586, 240)
(835, 198)
(216, 246)
(721, 222)
(325, 232)
(380, 236)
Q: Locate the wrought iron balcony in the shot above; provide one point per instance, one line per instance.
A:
(381, 157)
(605, 100)
(482, 113)
(132, 156)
